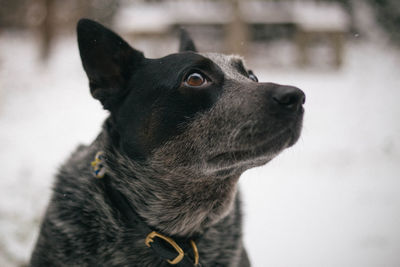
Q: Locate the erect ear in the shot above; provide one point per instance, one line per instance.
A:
(185, 42)
(108, 61)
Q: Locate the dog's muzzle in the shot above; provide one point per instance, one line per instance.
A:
(289, 98)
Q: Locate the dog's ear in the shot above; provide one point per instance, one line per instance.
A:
(185, 42)
(108, 61)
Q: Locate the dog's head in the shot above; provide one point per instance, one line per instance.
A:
(198, 112)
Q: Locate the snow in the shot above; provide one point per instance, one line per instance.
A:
(331, 200)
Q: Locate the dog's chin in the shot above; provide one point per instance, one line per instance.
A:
(255, 152)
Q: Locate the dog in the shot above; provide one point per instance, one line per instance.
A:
(158, 186)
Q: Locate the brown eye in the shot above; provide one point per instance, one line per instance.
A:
(195, 80)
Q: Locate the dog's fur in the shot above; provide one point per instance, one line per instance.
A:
(174, 151)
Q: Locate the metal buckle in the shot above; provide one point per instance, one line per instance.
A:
(181, 254)
(195, 252)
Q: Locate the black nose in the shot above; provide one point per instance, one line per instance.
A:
(289, 97)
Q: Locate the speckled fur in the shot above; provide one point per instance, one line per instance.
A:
(81, 228)
(187, 186)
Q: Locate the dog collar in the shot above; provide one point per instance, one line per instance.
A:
(176, 251)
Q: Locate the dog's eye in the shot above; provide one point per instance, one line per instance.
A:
(252, 76)
(195, 80)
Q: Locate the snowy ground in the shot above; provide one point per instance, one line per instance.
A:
(332, 200)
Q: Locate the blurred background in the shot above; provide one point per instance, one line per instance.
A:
(331, 200)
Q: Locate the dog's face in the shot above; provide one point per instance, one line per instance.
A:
(190, 112)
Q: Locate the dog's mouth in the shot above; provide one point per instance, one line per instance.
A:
(258, 150)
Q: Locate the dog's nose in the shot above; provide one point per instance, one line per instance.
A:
(289, 97)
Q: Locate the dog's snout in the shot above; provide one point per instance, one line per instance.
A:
(289, 97)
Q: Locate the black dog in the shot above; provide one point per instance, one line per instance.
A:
(181, 131)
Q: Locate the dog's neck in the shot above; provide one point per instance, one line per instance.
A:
(174, 203)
